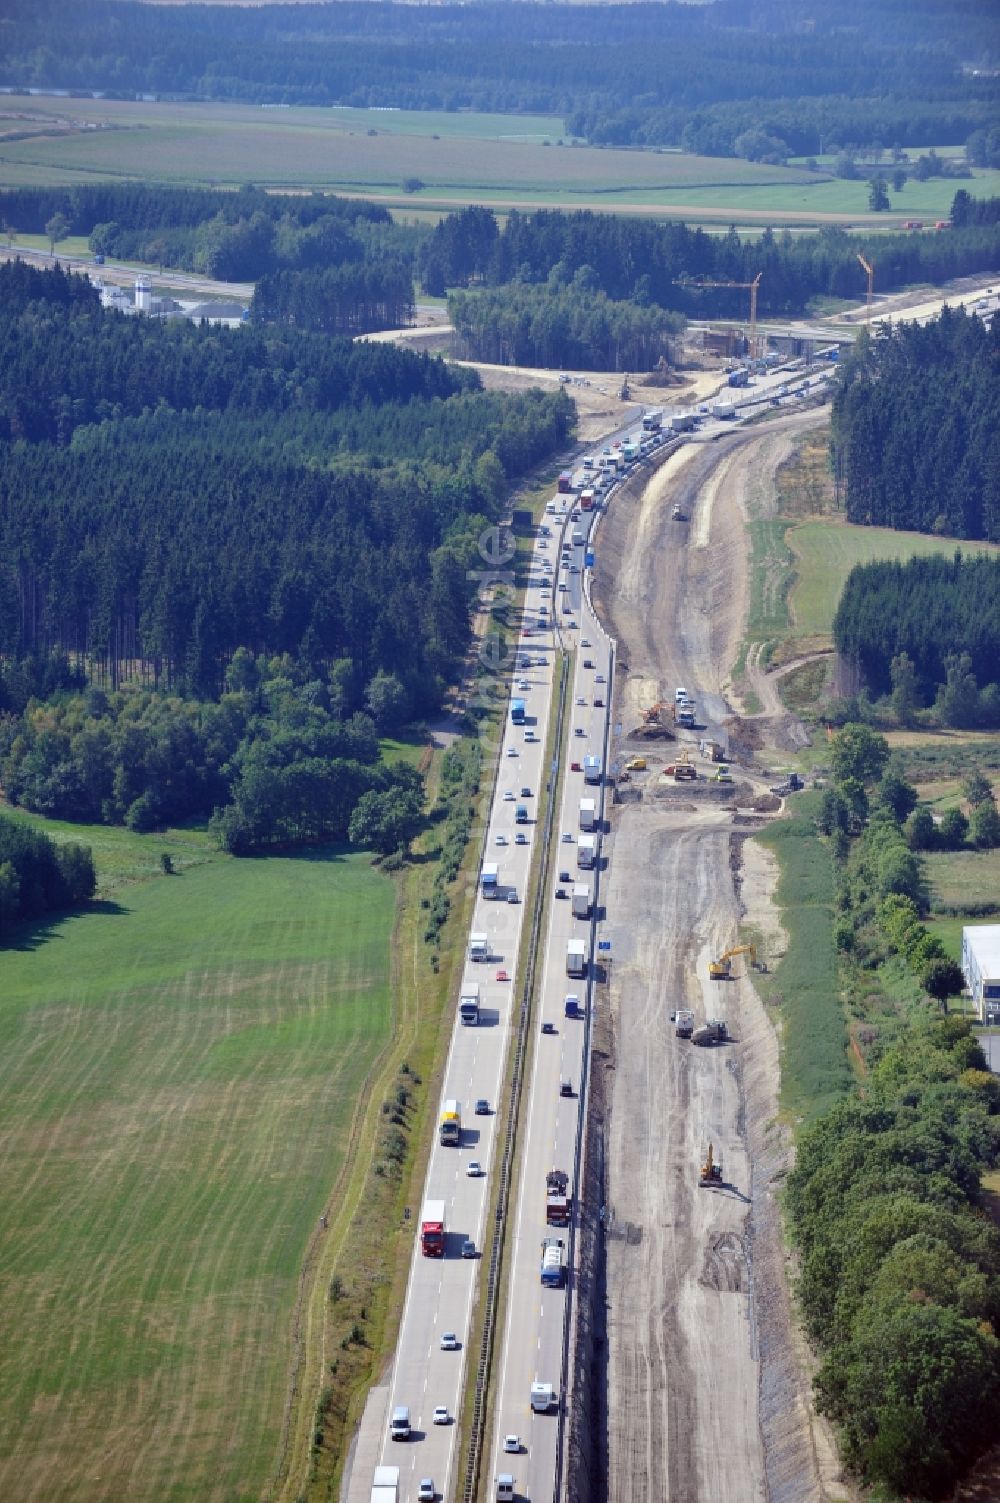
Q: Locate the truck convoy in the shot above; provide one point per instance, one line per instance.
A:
(588, 813)
(576, 958)
(553, 1265)
(558, 1202)
(652, 421)
(432, 1229)
(592, 768)
(468, 1003)
(479, 947)
(490, 879)
(451, 1124)
(586, 851)
(581, 900)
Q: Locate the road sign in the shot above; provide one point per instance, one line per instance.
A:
(604, 944)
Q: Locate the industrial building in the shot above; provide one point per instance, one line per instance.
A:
(981, 968)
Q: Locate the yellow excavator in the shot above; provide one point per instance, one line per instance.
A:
(722, 969)
(710, 1172)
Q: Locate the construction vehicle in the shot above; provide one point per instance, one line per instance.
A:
(652, 715)
(712, 1032)
(684, 767)
(432, 1229)
(557, 1201)
(683, 1023)
(636, 764)
(722, 969)
(710, 1173)
(723, 775)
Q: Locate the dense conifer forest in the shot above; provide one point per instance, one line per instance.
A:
(928, 630)
(916, 428)
(229, 562)
(853, 72)
(633, 259)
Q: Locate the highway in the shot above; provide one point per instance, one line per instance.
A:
(535, 1335)
(533, 1342)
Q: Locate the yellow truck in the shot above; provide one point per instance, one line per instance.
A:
(451, 1123)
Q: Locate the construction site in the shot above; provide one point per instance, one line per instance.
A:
(685, 1078)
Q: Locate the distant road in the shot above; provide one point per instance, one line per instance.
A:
(123, 276)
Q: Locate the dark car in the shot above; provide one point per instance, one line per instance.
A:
(588, 663)
(482, 1107)
(468, 1248)
(548, 1028)
(560, 892)
(565, 877)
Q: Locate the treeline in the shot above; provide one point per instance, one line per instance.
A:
(326, 501)
(714, 71)
(279, 759)
(900, 1282)
(906, 625)
(574, 325)
(899, 1260)
(338, 300)
(916, 428)
(37, 876)
(646, 263)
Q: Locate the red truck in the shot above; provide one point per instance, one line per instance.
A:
(432, 1229)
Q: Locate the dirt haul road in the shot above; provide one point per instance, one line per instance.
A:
(705, 1397)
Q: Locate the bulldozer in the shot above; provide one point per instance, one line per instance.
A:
(722, 969)
(711, 1172)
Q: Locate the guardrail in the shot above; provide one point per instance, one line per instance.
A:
(481, 1392)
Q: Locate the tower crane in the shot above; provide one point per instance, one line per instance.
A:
(751, 287)
(869, 269)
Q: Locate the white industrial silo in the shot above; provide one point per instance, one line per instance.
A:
(143, 295)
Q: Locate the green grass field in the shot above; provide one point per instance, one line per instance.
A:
(180, 1068)
(803, 986)
(459, 157)
(961, 878)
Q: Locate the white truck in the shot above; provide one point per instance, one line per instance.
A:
(581, 900)
(576, 957)
(490, 880)
(588, 813)
(586, 851)
(479, 946)
(385, 1485)
(592, 768)
(544, 1396)
(553, 1269)
(468, 1003)
(724, 410)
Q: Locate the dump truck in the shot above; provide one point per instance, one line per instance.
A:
(432, 1229)
(683, 1023)
(450, 1127)
(576, 958)
(581, 900)
(553, 1270)
(558, 1202)
(712, 1032)
(479, 946)
(588, 813)
(468, 1003)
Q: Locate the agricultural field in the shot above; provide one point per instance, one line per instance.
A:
(458, 157)
(181, 1066)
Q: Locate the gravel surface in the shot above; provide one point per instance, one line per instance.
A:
(707, 1391)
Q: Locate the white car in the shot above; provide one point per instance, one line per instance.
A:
(425, 1492)
(509, 796)
(585, 642)
(512, 751)
(567, 838)
(473, 1169)
(680, 694)
(580, 699)
(520, 838)
(449, 1341)
(512, 1444)
(598, 678)
(441, 1415)
(501, 839)
(523, 684)
(530, 736)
